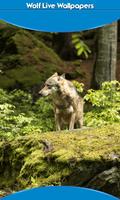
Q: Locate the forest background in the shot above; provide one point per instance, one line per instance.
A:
(27, 59)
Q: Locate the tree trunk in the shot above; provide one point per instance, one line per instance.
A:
(106, 55)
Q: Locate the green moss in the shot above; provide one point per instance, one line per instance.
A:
(23, 76)
(6, 82)
(46, 38)
(59, 158)
(24, 59)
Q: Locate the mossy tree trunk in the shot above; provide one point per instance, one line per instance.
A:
(106, 55)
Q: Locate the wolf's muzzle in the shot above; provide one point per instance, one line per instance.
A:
(40, 94)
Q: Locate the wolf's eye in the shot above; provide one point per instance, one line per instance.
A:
(49, 86)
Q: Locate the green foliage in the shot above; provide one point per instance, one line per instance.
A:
(105, 105)
(81, 47)
(18, 116)
(79, 86)
(43, 110)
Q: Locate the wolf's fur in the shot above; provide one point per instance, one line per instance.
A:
(68, 105)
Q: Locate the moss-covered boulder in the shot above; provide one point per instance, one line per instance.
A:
(25, 61)
(87, 158)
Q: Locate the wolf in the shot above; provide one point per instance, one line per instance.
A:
(67, 103)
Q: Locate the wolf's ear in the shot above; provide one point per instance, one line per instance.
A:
(63, 75)
(55, 74)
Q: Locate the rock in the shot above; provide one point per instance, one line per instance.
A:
(87, 158)
(108, 180)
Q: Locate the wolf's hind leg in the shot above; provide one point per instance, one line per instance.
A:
(80, 122)
(72, 121)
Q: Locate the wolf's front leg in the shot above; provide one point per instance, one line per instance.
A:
(72, 121)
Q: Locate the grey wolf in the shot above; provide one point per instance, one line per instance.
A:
(68, 105)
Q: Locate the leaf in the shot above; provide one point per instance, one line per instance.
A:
(86, 54)
(76, 40)
(78, 46)
(80, 51)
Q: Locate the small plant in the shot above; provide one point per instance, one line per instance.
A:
(105, 105)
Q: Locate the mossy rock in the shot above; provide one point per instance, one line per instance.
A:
(45, 37)
(24, 60)
(86, 158)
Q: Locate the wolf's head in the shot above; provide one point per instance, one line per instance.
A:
(52, 85)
